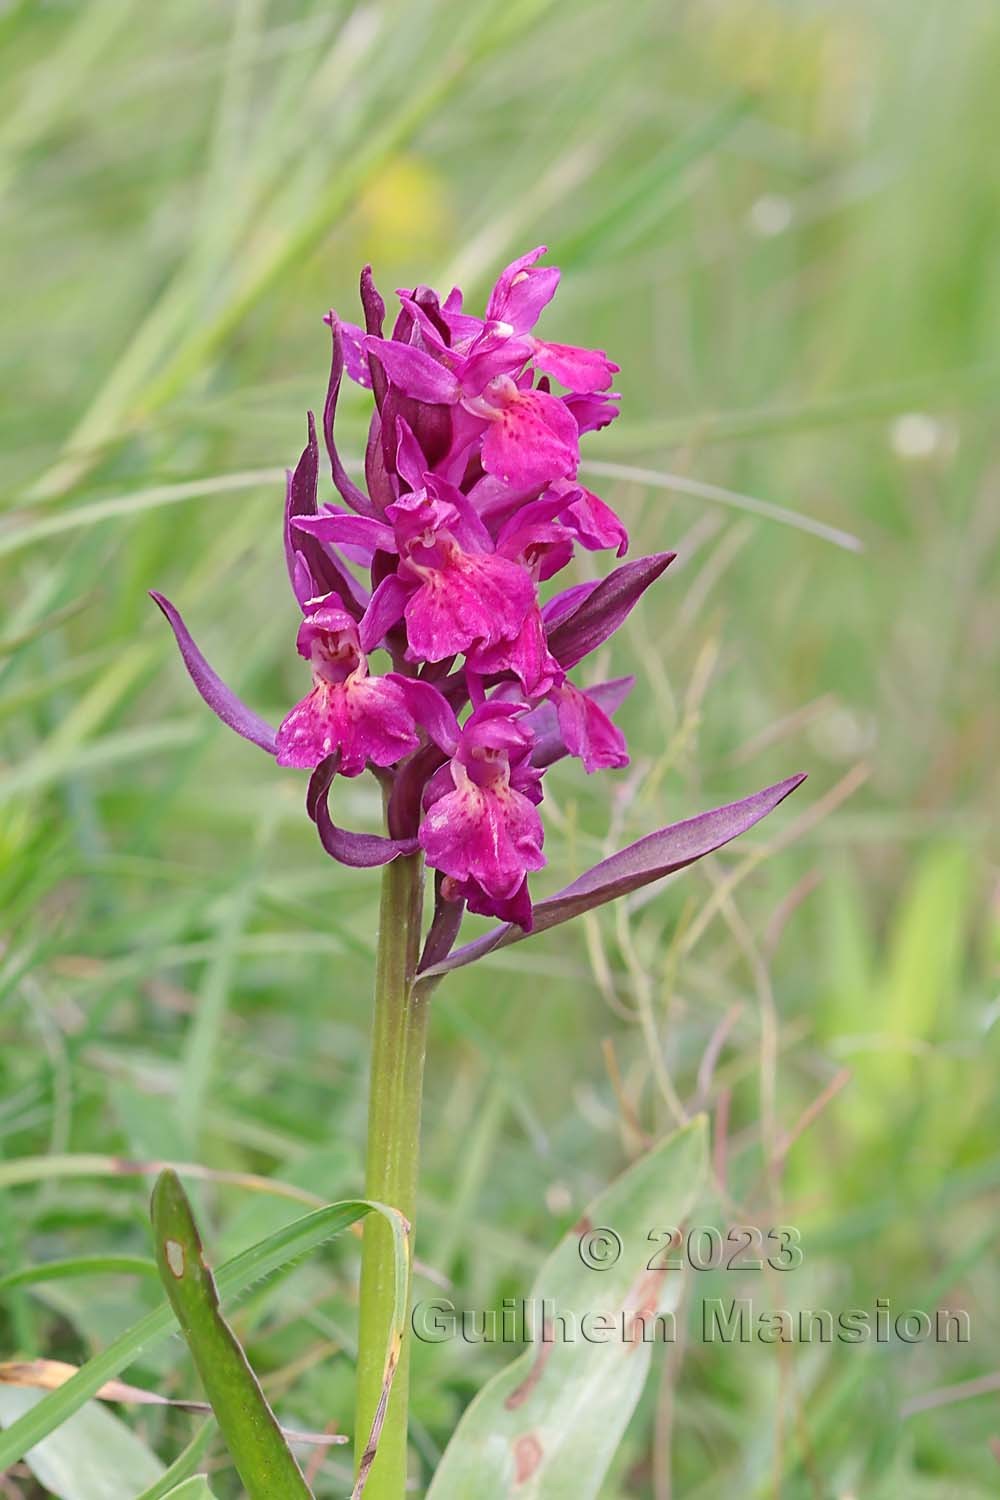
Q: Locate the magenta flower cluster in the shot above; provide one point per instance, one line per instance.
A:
(471, 506)
(472, 503)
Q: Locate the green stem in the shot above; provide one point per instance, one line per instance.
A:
(397, 1069)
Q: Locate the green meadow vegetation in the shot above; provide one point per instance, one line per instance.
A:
(782, 220)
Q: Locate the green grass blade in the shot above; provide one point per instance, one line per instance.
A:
(183, 1466)
(23, 528)
(736, 501)
(80, 1265)
(263, 1459)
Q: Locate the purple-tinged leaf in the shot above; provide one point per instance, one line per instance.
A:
(371, 301)
(351, 494)
(549, 743)
(406, 798)
(444, 928)
(221, 700)
(649, 859)
(374, 307)
(563, 604)
(300, 500)
(329, 575)
(600, 612)
(362, 851)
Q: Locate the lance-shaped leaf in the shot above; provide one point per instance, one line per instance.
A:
(220, 698)
(263, 1459)
(348, 490)
(279, 1250)
(548, 1426)
(327, 573)
(649, 859)
(596, 613)
(445, 925)
(374, 309)
(362, 851)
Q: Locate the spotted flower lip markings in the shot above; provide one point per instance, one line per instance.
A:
(439, 647)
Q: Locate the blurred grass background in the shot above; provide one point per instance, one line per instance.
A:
(782, 220)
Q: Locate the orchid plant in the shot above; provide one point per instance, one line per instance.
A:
(442, 664)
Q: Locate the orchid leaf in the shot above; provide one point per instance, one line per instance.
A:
(649, 859)
(196, 1488)
(602, 609)
(263, 1459)
(327, 573)
(286, 1246)
(548, 1426)
(362, 851)
(348, 490)
(221, 699)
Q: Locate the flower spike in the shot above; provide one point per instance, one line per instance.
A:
(438, 663)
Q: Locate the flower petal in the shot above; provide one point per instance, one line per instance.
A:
(384, 611)
(588, 732)
(527, 655)
(431, 710)
(221, 700)
(491, 835)
(592, 412)
(414, 372)
(523, 291)
(515, 909)
(594, 523)
(550, 745)
(411, 464)
(355, 354)
(532, 440)
(579, 370)
(474, 598)
(361, 719)
(362, 532)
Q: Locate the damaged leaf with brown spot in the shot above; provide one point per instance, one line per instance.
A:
(548, 1426)
(262, 1457)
